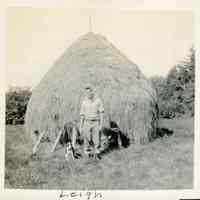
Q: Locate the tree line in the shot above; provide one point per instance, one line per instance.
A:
(176, 91)
(16, 104)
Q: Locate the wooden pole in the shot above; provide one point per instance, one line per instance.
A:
(35, 148)
(57, 140)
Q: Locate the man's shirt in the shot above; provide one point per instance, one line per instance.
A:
(91, 109)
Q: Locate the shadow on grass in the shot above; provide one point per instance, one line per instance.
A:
(117, 139)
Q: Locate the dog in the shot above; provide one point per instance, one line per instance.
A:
(114, 137)
(69, 152)
(70, 130)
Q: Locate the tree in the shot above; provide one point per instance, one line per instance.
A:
(176, 90)
(189, 77)
(16, 103)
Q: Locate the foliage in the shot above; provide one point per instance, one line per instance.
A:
(16, 103)
(176, 91)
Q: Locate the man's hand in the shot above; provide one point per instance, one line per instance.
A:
(81, 124)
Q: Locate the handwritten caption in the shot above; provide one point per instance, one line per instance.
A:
(85, 195)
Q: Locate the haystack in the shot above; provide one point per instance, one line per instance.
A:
(129, 98)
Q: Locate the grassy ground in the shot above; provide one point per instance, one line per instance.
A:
(166, 163)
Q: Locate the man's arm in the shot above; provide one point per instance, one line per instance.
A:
(82, 117)
(81, 123)
(101, 120)
(101, 111)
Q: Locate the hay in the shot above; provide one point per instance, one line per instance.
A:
(129, 98)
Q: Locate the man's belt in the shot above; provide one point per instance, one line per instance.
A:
(92, 120)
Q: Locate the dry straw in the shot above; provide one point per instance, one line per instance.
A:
(129, 98)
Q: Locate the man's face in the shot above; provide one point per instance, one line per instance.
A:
(89, 93)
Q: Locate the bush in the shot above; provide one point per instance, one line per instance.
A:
(176, 90)
(16, 103)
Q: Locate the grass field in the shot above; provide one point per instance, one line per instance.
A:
(166, 163)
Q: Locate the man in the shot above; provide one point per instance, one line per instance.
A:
(91, 122)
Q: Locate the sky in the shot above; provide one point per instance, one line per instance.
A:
(36, 37)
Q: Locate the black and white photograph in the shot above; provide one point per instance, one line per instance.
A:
(99, 99)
